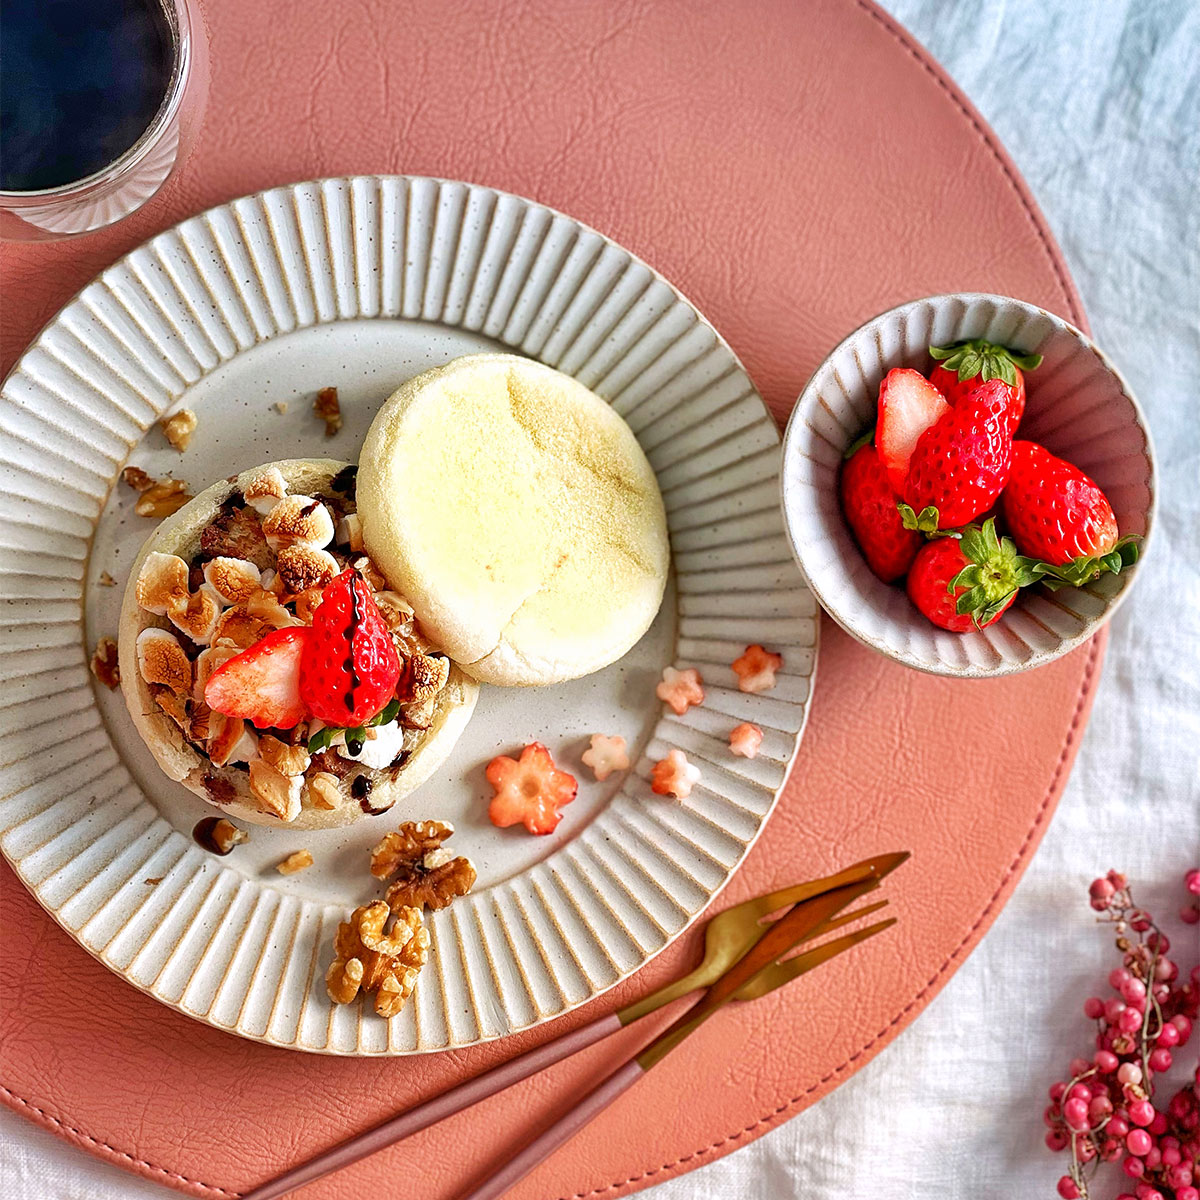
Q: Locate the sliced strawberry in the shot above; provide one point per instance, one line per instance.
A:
(755, 669)
(745, 740)
(870, 507)
(680, 689)
(961, 464)
(674, 776)
(967, 583)
(908, 405)
(529, 790)
(965, 365)
(350, 669)
(262, 684)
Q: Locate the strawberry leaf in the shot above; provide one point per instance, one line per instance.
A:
(1084, 569)
(323, 738)
(858, 443)
(926, 521)
(985, 359)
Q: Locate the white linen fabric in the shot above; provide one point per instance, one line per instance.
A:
(1099, 104)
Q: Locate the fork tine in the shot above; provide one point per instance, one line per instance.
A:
(770, 978)
(881, 866)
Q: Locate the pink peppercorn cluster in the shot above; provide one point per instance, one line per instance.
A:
(1107, 1110)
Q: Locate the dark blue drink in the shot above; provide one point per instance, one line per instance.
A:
(80, 82)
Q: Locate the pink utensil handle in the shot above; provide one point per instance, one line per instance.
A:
(565, 1128)
(421, 1116)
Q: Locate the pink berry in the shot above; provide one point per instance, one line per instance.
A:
(1169, 1035)
(1133, 991)
(1186, 1193)
(1141, 1112)
(1117, 976)
(1075, 1113)
(1106, 1062)
(1129, 1020)
(1165, 970)
(1056, 1140)
(1077, 1067)
(1057, 1090)
(1189, 914)
(1129, 1073)
(1159, 1125)
(1191, 881)
(1138, 1141)
(1118, 1126)
(1093, 1007)
(1099, 1110)
(1184, 1025)
(1101, 889)
(1067, 1188)
(1113, 1009)
(1133, 1167)
(1160, 1060)
(1052, 1115)
(1139, 920)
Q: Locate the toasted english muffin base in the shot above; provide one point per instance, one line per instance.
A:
(228, 787)
(517, 514)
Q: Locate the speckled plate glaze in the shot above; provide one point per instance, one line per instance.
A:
(359, 284)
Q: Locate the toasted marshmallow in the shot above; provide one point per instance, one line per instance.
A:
(265, 490)
(298, 519)
(206, 663)
(197, 616)
(236, 627)
(246, 746)
(162, 581)
(234, 579)
(225, 733)
(427, 675)
(161, 660)
(302, 567)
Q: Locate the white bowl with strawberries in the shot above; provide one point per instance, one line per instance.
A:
(967, 484)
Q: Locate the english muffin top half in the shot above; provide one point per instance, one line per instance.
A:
(516, 512)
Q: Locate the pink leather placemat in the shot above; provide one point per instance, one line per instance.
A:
(794, 168)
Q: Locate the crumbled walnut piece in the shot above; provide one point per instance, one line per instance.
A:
(419, 715)
(280, 406)
(349, 532)
(323, 791)
(329, 762)
(434, 886)
(375, 578)
(427, 675)
(287, 760)
(219, 834)
(106, 580)
(367, 959)
(235, 532)
(236, 627)
(429, 876)
(327, 407)
(157, 497)
(278, 794)
(301, 860)
(302, 567)
(407, 846)
(104, 663)
(397, 613)
(154, 880)
(162, 660)
(179, 428)
(174, 706)
(306, 603)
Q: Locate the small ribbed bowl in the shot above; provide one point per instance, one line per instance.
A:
(1078, 407)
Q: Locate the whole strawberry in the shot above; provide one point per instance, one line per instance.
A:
(965, 365)
(967, 582)
(870, 507)
(1058, 514)
(961, 463)
(350, 667)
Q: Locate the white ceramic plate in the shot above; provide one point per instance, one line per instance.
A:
(360, 284)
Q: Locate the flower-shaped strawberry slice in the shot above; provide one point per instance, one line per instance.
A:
(679, 690)
(674, 776)
(529, 790)
(756, 669)
(606, 755)
(745, 740)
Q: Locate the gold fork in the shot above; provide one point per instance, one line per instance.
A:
(729, 938)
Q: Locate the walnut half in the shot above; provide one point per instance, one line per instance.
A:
(368, 959)
(428, 875)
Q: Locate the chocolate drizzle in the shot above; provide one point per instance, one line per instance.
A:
(351, 630)
(360, 789)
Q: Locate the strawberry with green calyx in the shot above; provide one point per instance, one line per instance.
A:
(1059, 515)
(967, 582)
(355, 738)
(869, 505)
(960, 465)
(350, 666)
(964, 365)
